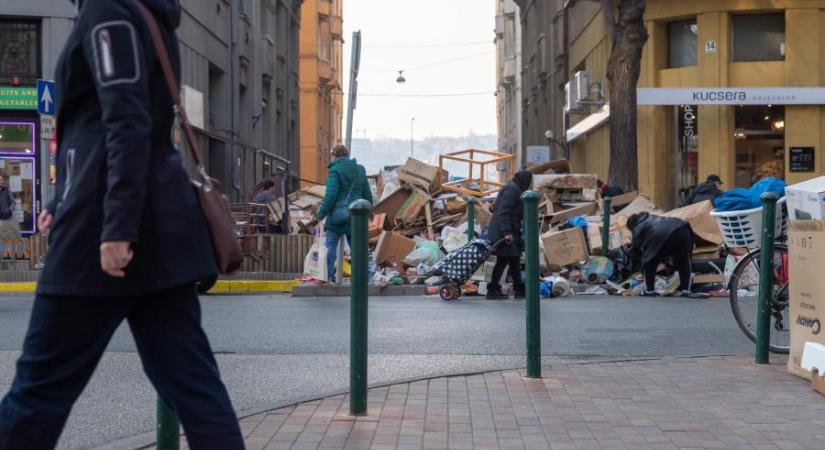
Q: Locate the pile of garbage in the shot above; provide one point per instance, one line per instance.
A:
(417, 221)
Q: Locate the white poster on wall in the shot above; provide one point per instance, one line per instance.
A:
(538, 154)
(26, 171)
(15, 184)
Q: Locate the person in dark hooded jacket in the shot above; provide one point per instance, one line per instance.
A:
(128, 239)
(709, 190)
(506, 224)
(656, 238)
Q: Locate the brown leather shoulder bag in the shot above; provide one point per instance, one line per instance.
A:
(215, 207)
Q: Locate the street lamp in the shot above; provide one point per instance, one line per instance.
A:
(412, 128)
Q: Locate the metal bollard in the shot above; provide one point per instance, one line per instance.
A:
(763, 319)
(531, 283)
(358, 309)
(168, 432)
(471, 218)
(606, 202)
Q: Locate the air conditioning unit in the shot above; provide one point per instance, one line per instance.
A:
(583, 81)
(571, 98)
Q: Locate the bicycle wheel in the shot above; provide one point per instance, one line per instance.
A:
(744, 297)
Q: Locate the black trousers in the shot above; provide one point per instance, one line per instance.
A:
(678, 247)
(502, 262)
(67, 337)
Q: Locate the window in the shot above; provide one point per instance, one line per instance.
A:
(17, 137)
(19, 52)
(681, 43)
(759, 37)
(323, 38)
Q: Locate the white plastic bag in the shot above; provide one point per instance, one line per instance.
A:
(315, 263)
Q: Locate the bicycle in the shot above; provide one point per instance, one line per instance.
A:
(742, 229)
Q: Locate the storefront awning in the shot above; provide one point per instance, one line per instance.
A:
(589, 123)
(732, 96)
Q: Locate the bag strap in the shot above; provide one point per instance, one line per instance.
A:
(174, 90)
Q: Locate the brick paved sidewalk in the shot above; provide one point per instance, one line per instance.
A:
(714, 402)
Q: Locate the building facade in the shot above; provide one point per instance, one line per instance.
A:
(241, 94)
(727, 87)
(321, 78)
(543, 74)
(508, 78)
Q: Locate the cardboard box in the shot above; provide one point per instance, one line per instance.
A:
(391, 204)
(807, 304)
(702, 224)
(563, 248)
(710, 278)
(564, 181)
(420, 174)
(565, 215)
(642, 203)
(411, 208)
(392, 246)
(818, 382)
(806, 200)
(376, 225)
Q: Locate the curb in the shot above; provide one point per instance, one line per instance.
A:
(18, 288)
(221, 287)
(327, 290)
(253, 286)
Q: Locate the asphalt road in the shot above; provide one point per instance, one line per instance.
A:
(274, 349)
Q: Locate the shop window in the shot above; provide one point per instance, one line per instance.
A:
(681, 43)
(759, 37)
(19, 52)
(17, 137)
(759, 138)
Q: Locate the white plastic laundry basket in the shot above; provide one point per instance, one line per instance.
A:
(744, 228)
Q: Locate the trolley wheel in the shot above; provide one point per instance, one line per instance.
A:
(448, 292)
(456, 292)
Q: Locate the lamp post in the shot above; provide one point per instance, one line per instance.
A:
(412, 129)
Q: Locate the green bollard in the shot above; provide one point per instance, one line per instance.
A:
(358, 309)
(168, 432)
(606, 226)
(471, 218)
(531, 283)
(763, 319)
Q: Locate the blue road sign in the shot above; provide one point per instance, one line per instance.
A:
(45, 97)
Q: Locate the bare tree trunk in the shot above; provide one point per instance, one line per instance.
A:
(623, 73)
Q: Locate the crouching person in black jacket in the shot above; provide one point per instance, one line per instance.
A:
(128, 239)
(656, 238)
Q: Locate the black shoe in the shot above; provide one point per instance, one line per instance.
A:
(519, 295)
(496, 294)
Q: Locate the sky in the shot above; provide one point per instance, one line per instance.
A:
(404, 34)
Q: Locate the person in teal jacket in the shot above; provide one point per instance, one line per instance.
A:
(346, 183)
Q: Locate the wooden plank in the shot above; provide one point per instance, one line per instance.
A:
(429, 214)
(624, 199)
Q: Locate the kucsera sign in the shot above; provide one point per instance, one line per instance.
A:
(732, 96)
(18, 98)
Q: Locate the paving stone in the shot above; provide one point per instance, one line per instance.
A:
(715, 402)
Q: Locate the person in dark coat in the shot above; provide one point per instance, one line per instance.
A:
(656, 238)
(506, 224)
(709, 190)
(128, 239)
